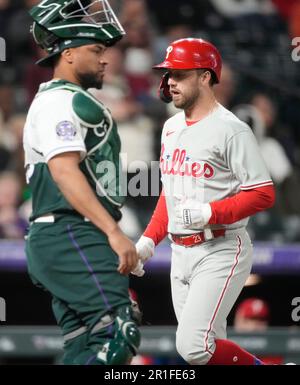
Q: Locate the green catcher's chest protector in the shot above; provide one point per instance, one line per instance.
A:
(101, 166)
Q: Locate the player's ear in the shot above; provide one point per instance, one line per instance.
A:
(205, 76)
(68, 55)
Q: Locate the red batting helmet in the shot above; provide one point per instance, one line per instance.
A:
(254, 308)
(190, 53)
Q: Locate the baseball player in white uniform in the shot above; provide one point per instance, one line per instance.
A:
(213, 179)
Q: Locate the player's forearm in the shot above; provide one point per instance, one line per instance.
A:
(157, 228)
(242, 205)
(75, 188)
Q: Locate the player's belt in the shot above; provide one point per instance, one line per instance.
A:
(51, 218)
(197, 238)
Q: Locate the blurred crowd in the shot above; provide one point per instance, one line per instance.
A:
(260, 83)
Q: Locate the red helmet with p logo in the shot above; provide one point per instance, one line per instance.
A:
(187, 54)
(191, 54)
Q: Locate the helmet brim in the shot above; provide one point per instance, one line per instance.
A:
(68, 43)
(164, 65)
(47, 60)
(177, 65)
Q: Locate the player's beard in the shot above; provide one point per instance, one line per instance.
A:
(90, 80)
(185, 102)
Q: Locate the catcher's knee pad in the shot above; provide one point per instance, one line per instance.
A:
(120, 349)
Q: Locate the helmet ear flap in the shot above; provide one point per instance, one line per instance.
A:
(164, 89)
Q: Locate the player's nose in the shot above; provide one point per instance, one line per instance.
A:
(171, 82)
(103, 64)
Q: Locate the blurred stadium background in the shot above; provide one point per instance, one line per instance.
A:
(260, 83)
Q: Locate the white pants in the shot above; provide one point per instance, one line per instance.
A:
(206, 280)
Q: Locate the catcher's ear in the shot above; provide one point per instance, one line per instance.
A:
(67, 54)
(164, 89)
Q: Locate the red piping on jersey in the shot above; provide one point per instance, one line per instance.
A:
(191, 122)
(222, 294)
(251, 186)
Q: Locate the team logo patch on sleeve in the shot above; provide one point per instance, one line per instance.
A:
(66, 130)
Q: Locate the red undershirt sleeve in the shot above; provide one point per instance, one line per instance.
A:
(157, 228)
(242, 205)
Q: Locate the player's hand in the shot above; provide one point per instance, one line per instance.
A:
(139, 269)
(191, 214)
(125, 250)
(145, 250)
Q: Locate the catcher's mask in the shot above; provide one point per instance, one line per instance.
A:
(61, 24)
(186, 54)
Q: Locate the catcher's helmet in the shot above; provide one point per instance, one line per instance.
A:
(59, 24)
(186, 54)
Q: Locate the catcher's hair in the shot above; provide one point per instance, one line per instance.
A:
(54, 61)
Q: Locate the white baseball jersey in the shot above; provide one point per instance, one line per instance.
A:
(210, 160)
(62, 118)
(51, 128)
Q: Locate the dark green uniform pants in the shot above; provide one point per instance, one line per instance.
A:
(74, 262)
